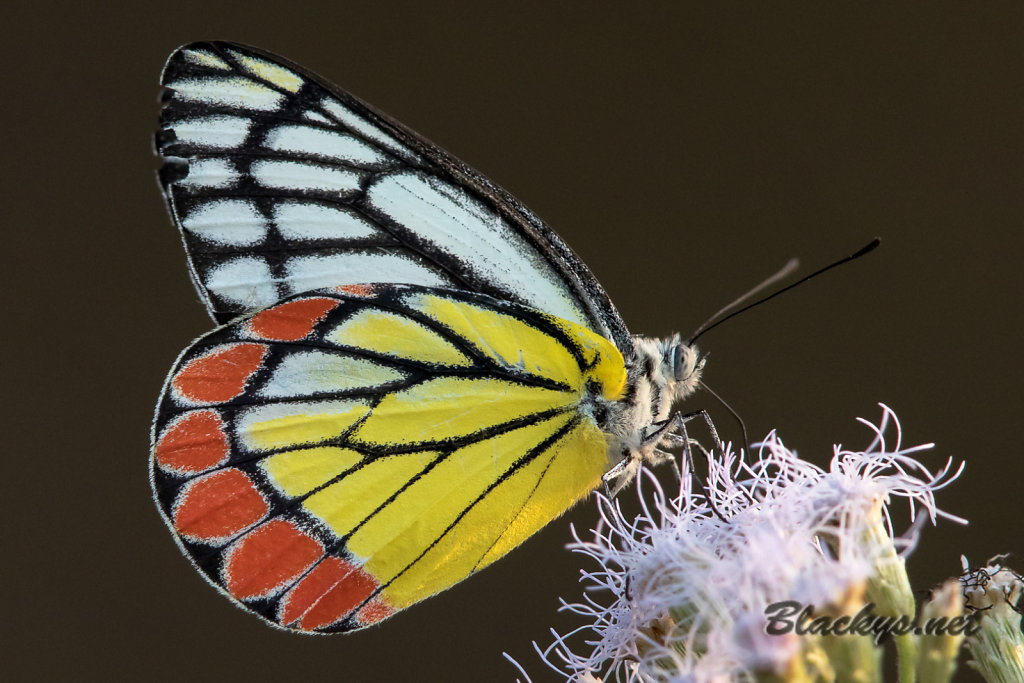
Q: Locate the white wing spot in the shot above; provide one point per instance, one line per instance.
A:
(235, 92)
(218, 132)
(318, 141)
(231, 222)
(295, 175)
(209, 173)
(316, 117)
(245, 281)
(305, 221)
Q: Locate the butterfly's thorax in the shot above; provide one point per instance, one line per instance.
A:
(659, 373)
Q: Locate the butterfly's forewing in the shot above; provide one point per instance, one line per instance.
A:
(281, 183)
(340, 456)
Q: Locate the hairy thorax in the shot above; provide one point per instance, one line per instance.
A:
(660, 373)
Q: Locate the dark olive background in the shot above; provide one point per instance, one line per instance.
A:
(684, 151)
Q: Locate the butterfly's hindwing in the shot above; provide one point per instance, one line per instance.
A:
(345, 454)
(281, 183)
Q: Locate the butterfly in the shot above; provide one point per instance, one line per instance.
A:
(412, 374)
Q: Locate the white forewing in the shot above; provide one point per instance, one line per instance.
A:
(283, 184)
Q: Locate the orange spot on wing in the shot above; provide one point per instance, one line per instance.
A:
(192, 444)
(374, 611)
(218, 505)
(292, 320)
(268, 558)
(358, 290)
(326, 595)
(219, 374)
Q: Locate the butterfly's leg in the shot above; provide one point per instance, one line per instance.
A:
(678, 439)
(686, 442)
(673, 432)
(666, 432)
(617, 477)
(718, 449)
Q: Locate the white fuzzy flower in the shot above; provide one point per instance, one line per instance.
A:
(690, 578)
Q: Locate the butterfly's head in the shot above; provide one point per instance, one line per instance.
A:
(664, 372)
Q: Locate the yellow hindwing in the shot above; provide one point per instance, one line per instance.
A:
(418, 436)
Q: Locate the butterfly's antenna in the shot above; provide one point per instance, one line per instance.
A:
(743, 427)
(788, 268)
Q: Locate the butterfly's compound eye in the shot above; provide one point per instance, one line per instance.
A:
(678, 366)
